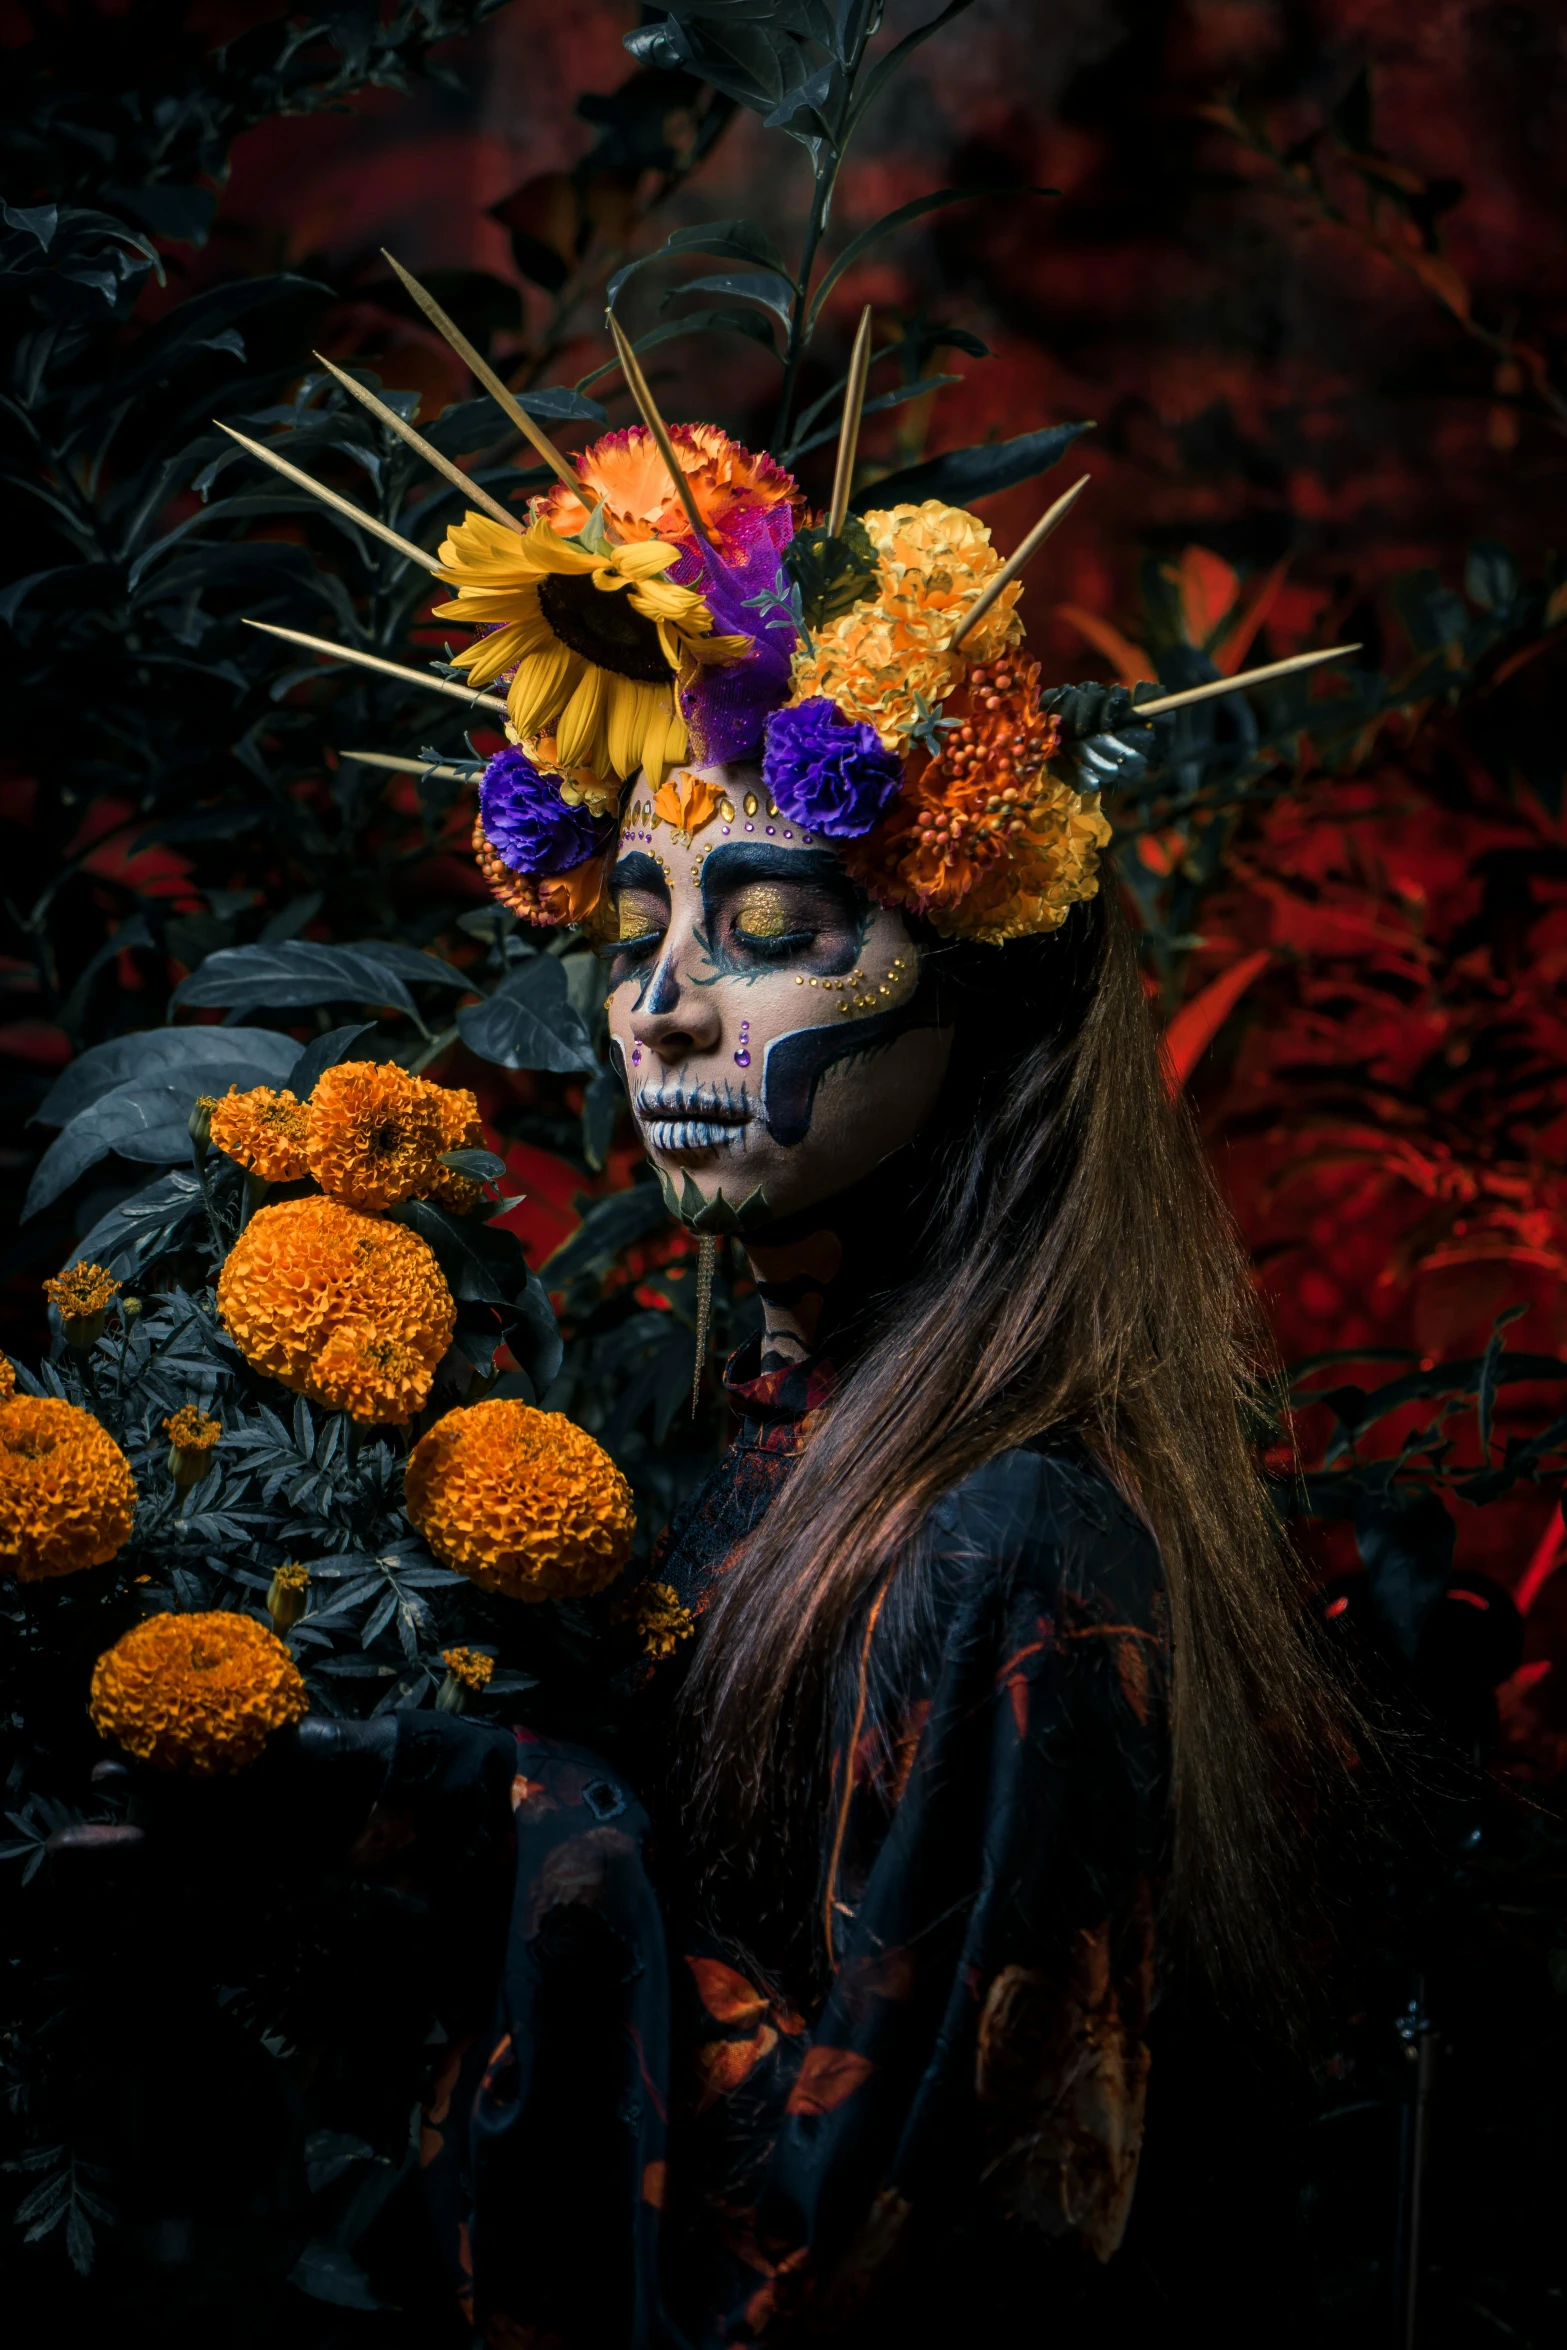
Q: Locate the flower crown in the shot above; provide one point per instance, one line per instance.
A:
(638, 627)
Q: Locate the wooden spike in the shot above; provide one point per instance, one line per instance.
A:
(849, 430)
(1233, 685)
(380, 530)
(507, 400)
(420, 446)
(631, 369)
(1050, 520)
(434, 685)
(435, 767)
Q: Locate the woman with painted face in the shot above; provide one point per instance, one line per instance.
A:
(824, 2007)
(824, 2000)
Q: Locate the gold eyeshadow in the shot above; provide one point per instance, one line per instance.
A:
(636, 923)
(762, 912)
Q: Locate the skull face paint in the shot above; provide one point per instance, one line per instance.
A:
(775, 1027)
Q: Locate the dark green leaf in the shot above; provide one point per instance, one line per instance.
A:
(916, 208)
(210, 1057)
(760, 285)
(832, 574)
(298, 971)
(322, 1053)
(729, 240)
(529, 1022)
(608, 1226)
(963, 475)
(475, 1166)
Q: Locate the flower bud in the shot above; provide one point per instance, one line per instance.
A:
(200, 1123)
(81, 1297)
(467, 1671)
(288, 1595)
(191, 1436)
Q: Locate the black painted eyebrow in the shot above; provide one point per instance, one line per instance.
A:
(640, 871)
(739, 861)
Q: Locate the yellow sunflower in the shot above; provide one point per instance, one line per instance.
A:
(597, 638)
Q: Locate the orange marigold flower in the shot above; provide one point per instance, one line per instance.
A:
(888, 655)
(546, 899)
(461, 1130)
(7, 1379)
(200, 1693)
(660, 1621)
(67, 1496)
(523, 1502)
(81, 1296)
(191, 1436)
(372, 1378)
(470, 1666)
(263, 1132)
(625, 472)
(306, 1269)
(984, 839)
(374, 1134)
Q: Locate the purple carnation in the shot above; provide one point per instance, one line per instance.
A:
(527, 823)
(826, 773)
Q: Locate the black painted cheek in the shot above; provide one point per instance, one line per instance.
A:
(794, 1065)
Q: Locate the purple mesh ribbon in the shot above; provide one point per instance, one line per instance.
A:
(728, 706)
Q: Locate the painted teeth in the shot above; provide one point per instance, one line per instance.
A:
(692, 1134)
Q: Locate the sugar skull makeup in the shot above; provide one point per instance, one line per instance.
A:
(775, 1027)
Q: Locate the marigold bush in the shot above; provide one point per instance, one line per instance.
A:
(339, 1306)
(200, 1693)
(374, 1134)
(523, 1502)
(262, 1131)
(67, 1496)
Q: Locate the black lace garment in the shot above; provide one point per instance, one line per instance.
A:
(654, 2142)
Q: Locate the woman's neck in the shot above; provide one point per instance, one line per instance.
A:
(817, 1272)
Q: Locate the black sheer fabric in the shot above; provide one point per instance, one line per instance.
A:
(657, 2140)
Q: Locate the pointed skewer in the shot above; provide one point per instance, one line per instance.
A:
(435, 767)
(648, 409)
(507, 400)
(434, 685)
(420, 446)
(1019, 560)
(1231, 685)
(380, 530)
(849, 430)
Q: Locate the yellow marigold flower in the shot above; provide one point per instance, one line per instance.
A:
(374, 1134)
(985, 840)
(461, 1130)
(659, 1619)
(523, 1502)
(596, 638)
(191, 1436)
(7, 1379)
(625, 474)
(307, 1269)
(287, 1594)
(262, 1131)
(199, 1693)
(888, 655)
(81, 1296)
(67, 1496)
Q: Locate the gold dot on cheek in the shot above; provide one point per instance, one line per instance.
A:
(762, 913)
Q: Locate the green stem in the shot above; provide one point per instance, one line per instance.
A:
(433, 1050)
(219, 1242)
(820, 199)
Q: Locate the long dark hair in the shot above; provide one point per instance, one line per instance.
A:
(1078, 1272)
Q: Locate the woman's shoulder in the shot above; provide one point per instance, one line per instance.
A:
(1046, 1519)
